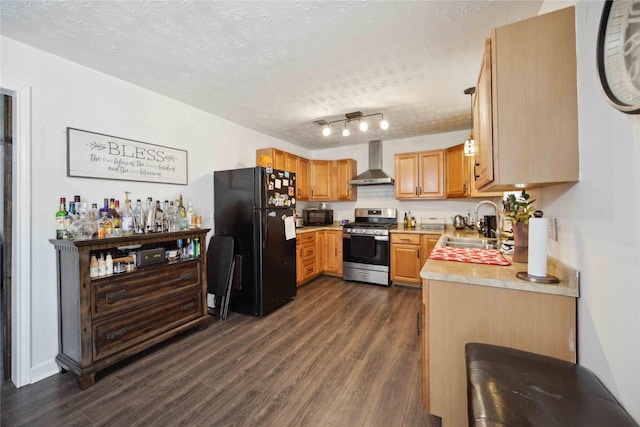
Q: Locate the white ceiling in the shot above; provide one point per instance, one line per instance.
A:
(276, 67)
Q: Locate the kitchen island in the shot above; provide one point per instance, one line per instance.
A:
(465, 302)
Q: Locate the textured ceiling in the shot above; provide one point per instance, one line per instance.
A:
(276, 67)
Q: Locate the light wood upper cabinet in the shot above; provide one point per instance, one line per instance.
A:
(406, 176)
(320, 177)
(460, 180)
(457, 172)
(419, 175)
(527, 104)
(431, 174)
(292, 163)
(302, 179)
(323, 180)
(345, 171)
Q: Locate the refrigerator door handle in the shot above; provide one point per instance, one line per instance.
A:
(265, 235)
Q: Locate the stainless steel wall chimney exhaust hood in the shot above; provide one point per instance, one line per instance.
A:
(374, 175)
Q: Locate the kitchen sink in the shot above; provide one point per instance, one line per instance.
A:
(479, 243)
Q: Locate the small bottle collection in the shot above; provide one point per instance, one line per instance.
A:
(81, 222)
(110, 262)
(409, 221)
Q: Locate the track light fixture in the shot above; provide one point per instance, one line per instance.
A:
(352, 117)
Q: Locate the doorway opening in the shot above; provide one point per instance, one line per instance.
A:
(6, 142)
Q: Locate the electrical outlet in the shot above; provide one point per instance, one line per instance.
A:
(553, 229)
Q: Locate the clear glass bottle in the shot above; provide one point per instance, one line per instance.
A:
(159, 214)
(83, 228)
(150, 221)
(190, 214)
(127, 218)
(138, 213)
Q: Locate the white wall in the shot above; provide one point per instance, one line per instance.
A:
(598, 226)
(65, 94)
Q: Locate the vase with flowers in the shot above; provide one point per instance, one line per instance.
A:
(520, 210)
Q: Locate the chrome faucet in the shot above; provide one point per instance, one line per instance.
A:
(489, 202)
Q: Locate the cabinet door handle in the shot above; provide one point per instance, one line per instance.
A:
(418, 321)
(420, 190)
(186, 276)
(312, 192)
(187, 307)
(117, 334)
(114, 296)
(475, 175)
(418, 254)
(416, 190)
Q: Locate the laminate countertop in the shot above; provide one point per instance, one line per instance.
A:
(499, 276)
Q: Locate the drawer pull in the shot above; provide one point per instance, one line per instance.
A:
(114, 296)
(186, 276)
(116, 334)
(187, 307)
(404, 239)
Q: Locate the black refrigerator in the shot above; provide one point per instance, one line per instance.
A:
(256, 206)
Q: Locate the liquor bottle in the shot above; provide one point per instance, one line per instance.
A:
(138, 213)
(104, 208)
(105, 226)
(150, 221)
(61, 232)
(78, 204)
(174, 217)
(190, 215)
(109, 264)
(181, 209)
(102, 266)
(166, 222)
(94, 213)
(406, 221)
(159, 214)
(127, 218)
(72, 210)
(93, 267)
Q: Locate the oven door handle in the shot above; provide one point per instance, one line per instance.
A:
(380, 238)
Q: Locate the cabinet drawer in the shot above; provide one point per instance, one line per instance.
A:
(144, 323)
(308, 269)
(405, 238)
(130, 290)
(308, 252)
(307, 238)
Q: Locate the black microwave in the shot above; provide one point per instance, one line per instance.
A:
(317, 216)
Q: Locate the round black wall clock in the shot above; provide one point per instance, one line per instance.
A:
(618, 54)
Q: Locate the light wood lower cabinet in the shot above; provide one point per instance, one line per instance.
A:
(333, 252)
(105, 320)
(318, 252)
(458, 313)
(306, 257)
(409, 252)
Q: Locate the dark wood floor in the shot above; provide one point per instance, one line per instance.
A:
(341, 354)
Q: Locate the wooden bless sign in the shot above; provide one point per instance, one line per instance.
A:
(94, 155)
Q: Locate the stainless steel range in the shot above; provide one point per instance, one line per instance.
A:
(365, 245)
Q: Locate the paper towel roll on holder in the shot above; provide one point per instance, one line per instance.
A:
(524, 275)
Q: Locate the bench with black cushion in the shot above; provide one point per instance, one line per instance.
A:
(509, 387)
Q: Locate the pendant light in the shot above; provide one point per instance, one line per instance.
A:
(470, 143)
